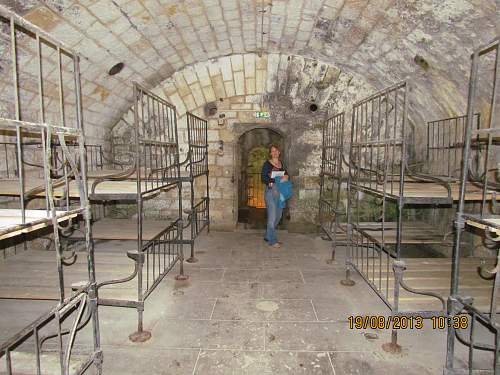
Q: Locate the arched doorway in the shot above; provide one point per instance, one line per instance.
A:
(253, 152)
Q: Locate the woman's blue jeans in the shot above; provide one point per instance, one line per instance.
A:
(274, 213)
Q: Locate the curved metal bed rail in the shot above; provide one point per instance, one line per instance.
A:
(399, 267)
(79, 303)
(124, 279)
(120, 176)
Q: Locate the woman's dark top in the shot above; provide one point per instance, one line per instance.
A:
(267, 168)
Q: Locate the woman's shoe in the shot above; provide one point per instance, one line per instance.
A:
(277, 245)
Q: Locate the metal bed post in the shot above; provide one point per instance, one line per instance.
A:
(140, 335)
(181, 276)
(459, 223)
(89, 242)
(398, 266)
(348, 281)
(17, 117)
(197, 163)
(331, 179)
(207, 178)
(459, 304)
(83, 300)
(339, 148)
(192, 213)
(322, 173)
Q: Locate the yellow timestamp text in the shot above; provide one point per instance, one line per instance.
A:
(400, 322)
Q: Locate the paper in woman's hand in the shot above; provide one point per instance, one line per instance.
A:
(275, 174)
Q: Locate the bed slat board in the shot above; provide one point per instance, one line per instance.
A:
(495, 222)
(12, 218)
(125, 229)
(100, 173)
(115, 189)
(413, 233)
(430, 190)
(32, 274)
(433, 274)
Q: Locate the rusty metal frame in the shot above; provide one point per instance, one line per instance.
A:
(486, 177)
(196, 163)
(156, 168)
(332, 181)
(378, 157)
(445, 144)
(84, 296)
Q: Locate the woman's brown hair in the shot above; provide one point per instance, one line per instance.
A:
(273, 145)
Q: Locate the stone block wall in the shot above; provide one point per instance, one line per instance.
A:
(241, 85)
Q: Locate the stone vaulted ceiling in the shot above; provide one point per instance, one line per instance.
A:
(382, 41)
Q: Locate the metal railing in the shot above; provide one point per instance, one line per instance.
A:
(93, 154)
(155, 151)
(152, 262)
(332, 179)
(378, 160)
(445, 143)
(75, 310)
(156, 168)
(33, 148)
(196, 164)
(378, 145)
(53, 191)
(485, 75)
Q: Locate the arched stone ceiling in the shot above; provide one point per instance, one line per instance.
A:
(375, 39)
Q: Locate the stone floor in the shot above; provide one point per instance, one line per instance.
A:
(251, 309)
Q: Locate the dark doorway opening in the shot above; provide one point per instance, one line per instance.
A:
(253, 152)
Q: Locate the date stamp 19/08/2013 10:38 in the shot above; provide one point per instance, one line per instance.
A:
(406, 322)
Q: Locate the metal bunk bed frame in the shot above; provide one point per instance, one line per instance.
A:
(197, 164)
(377, 166)
(332, 179)
(486, 221)
(157, 169)
(445, 143)
(82, 303)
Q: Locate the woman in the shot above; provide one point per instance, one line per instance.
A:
(272, 194)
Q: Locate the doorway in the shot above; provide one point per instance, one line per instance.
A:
(253, 148)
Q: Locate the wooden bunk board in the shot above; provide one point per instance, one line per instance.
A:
(340, 235)
(103, 173)
(112, 190)
(414, 191)
(413, 233)
(32, 274)
(433, 274)
(125, 229)
(12, 219)
(495, 224)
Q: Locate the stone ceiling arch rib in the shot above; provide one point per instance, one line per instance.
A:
(270, 82)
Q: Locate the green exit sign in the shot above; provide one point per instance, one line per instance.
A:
(262, 115)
